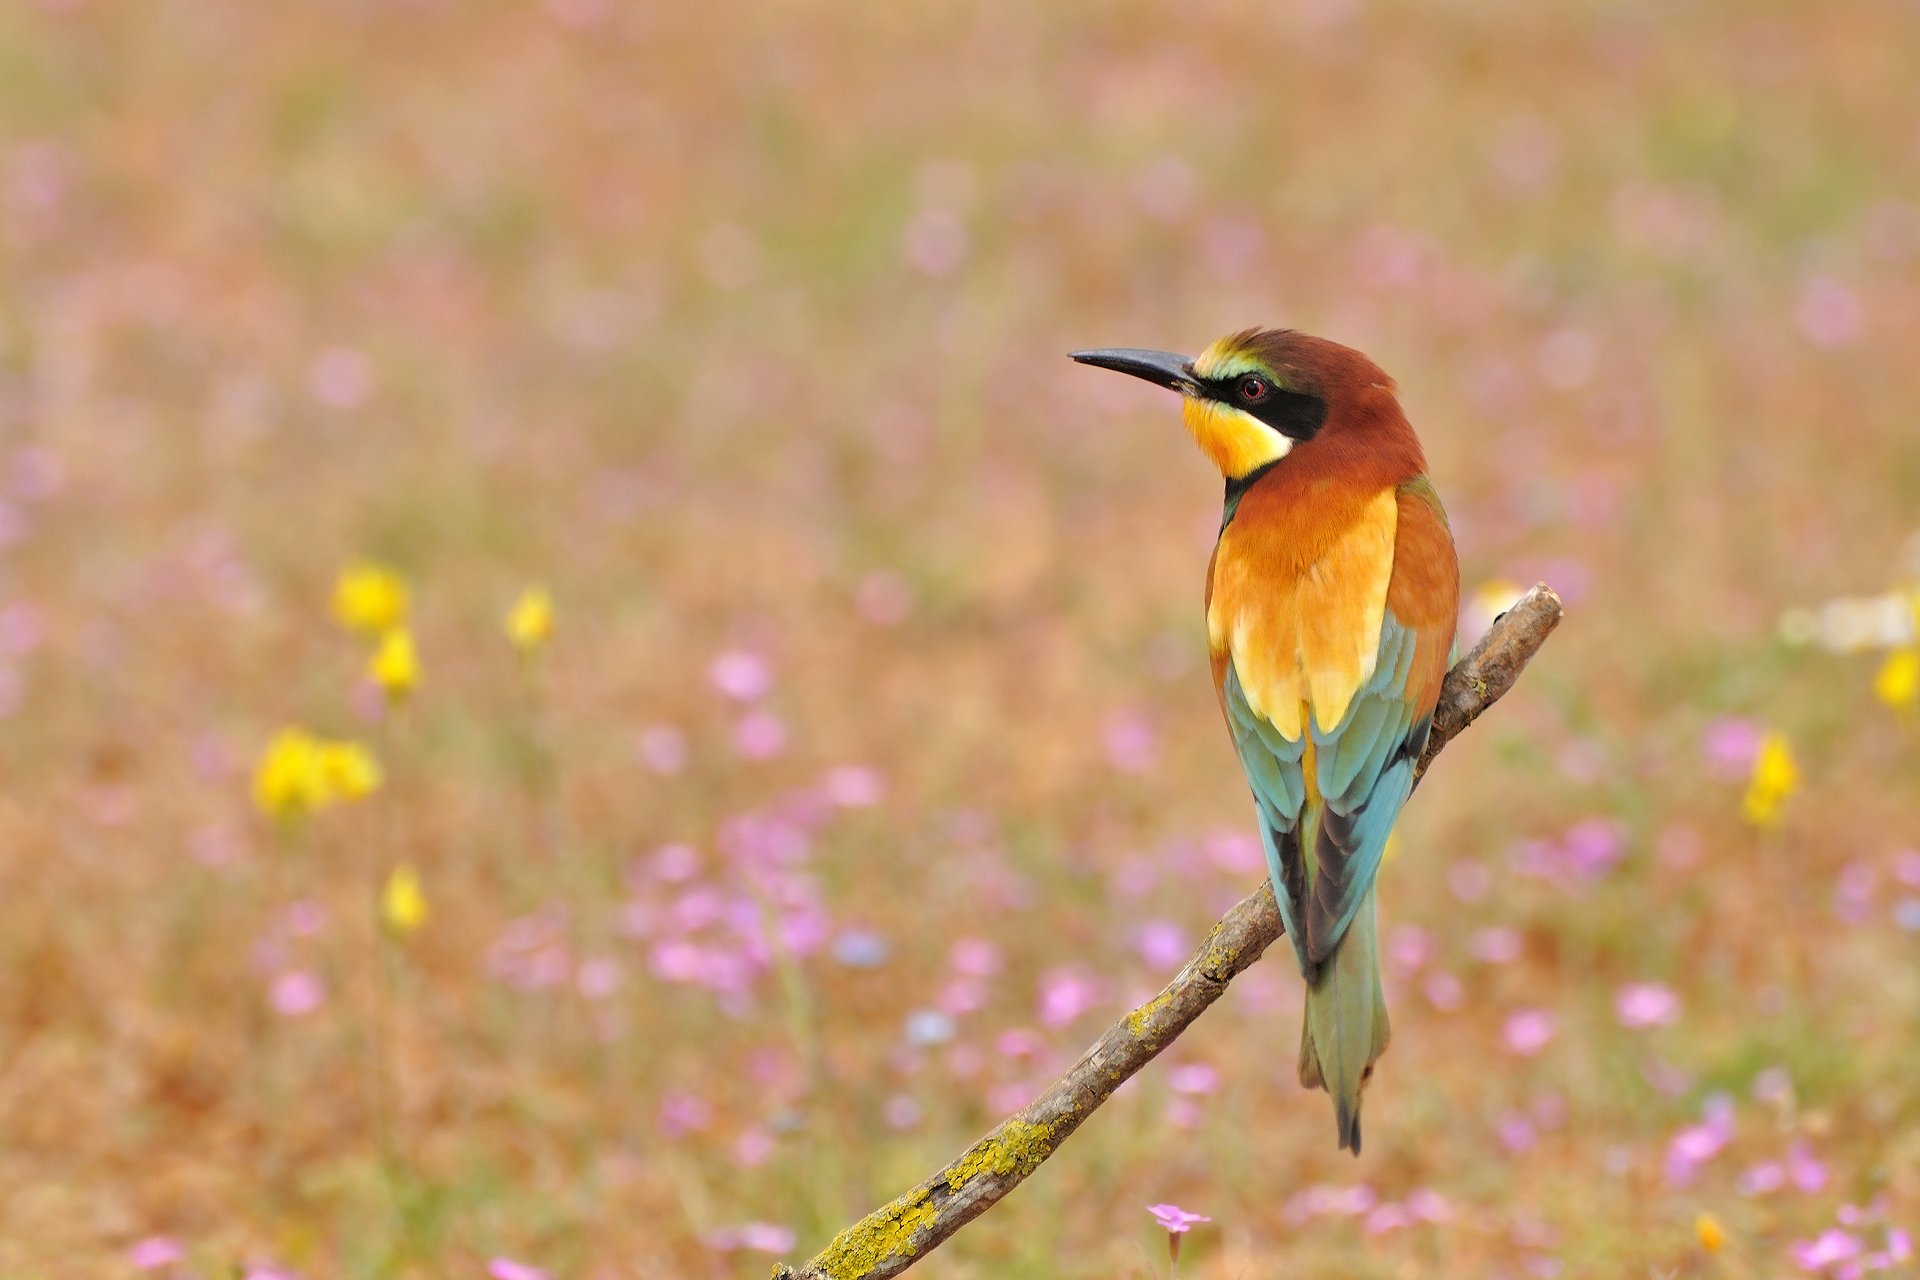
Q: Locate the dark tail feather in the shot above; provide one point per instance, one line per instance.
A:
(1345, 1029)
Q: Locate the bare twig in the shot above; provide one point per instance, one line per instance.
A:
(894, 1237)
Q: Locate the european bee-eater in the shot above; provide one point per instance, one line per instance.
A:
(1331, 601)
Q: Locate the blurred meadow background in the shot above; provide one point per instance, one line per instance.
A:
(848, 759)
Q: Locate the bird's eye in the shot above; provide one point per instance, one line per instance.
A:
(1254, 388)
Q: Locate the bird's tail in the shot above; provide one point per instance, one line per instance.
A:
(1345, 1029)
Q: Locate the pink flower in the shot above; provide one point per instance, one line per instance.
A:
(661, 748)
(1497, 945)
(963, 996)
(305, 919)
(1388, 1217)
(853, 786)
(761, 1237)
(1135, 877)
(1766, 1176)
(1516, 1132)
(1017, 1042)
(1183, 1113)
(1833, 1245)
(1529, 1031)
(1193, 1077)
(974, 957)
(1065, 994)
(1469, 880)
(1342, 1202)
(1130, 742)
(1593, 846)
(1235, 851)
(1853, 894)
(1830, 313)
(1409, 947)
(598, 977)
(156, 1252)
(760, 735)
(1175, 1219)
(676, 862)
(297, 993)
(1444, 991)
(1691, 1148)
(740, 675)
(1730, 745)
(1161, 943)
(752, 1148)
(682, 1113)
(1808, 1174)
(508, 1269)
(1646, 1004)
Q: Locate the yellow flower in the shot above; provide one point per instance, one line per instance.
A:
(1712, 1236)
(289, 779)
(530, 621)
(1774, 778)
(349, 770)
(402, 903)
(395, 665)
(299, 774)
(1898, 684)
(369, 598)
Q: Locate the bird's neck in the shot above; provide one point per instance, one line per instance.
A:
(1364, 448)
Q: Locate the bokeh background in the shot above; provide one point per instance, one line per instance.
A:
(871, 767)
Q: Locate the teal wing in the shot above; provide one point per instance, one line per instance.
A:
(1275, 770)
(1364, 771)
(1324, 850)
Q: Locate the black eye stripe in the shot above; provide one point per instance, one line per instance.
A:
(1294, 414)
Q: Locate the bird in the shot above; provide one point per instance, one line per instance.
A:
(1332, 597)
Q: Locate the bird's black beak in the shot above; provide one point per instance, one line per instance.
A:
(1162, 368)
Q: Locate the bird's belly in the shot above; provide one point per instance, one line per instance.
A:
(1302, 635)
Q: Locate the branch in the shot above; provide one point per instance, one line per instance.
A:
(894, 1237)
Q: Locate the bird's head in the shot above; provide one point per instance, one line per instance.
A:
(1257, 396)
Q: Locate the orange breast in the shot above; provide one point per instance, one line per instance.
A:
(1296, 594)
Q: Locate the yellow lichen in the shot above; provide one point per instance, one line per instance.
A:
(1138, 1019)
(1017, 1149)
(1221, 956)
(882, 1234)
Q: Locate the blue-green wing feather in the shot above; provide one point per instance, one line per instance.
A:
(1275, 772)
(1363, 771)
